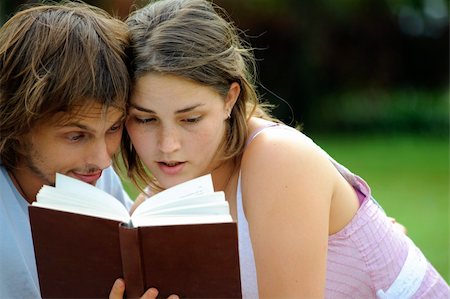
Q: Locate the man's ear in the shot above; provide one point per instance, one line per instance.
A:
(233, 94)
(20, 143)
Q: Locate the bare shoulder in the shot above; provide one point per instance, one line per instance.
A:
(284, 160)
(280, 146)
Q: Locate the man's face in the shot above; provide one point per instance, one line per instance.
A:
(79, 144)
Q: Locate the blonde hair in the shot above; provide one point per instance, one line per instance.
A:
(53, 58)
(193, 39)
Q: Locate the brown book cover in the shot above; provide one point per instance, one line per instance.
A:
(81, 256)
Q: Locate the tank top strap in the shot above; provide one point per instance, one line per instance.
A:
(259, 130)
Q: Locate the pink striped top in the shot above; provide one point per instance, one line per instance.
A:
(369, 258)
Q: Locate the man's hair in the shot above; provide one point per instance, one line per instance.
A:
(54, 58)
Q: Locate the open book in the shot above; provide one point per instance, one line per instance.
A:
(182, 241)
(192, 202)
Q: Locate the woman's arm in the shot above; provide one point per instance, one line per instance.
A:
(139, 199)
(287, 187)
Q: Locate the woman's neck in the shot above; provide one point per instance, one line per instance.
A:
(222, 175)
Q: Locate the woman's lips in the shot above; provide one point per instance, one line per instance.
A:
(171, 168)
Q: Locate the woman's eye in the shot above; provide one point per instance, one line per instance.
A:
(144, 120)
(192, 119)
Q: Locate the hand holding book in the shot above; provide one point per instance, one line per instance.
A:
(118, 292)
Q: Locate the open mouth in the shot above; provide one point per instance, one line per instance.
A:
(170, 164)
(171, 167)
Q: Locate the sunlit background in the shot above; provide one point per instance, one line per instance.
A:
(368, 80)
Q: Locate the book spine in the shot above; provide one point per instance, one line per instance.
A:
(133, 273)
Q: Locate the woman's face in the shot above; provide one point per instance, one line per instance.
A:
(177, 126)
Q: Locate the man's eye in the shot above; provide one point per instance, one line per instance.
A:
(75, 137)
(115, 128)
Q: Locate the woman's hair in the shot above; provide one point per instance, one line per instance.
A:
(54, 58)
(193, 39)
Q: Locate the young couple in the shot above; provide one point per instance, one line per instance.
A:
(308, 227)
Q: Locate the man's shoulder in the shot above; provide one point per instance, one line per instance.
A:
(108, 175)
(111, 183)
(4, 178)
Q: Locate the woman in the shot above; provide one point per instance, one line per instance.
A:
(308, 228)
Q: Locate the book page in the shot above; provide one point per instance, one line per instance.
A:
(195, 187)
(72, 195)
(190, 202)
(185, 219)
(203, 209)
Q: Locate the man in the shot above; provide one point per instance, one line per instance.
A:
(63, 90)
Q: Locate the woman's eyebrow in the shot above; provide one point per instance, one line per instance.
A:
(183, 110)
(139, 108)
(190, 108)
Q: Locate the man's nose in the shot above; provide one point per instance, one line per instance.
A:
(100, 155)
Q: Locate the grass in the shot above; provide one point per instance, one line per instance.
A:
(409, 177)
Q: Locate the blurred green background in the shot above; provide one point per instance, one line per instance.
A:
(368, 80)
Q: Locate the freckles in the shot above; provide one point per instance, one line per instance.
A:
(137, 135)
(211, 141)
(138, 142)
(144, 143)
(206, 137)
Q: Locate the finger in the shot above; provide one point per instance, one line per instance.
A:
(151, 293)
(173, 297)
(117, 290)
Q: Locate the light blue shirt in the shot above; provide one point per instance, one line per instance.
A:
(18, 275)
